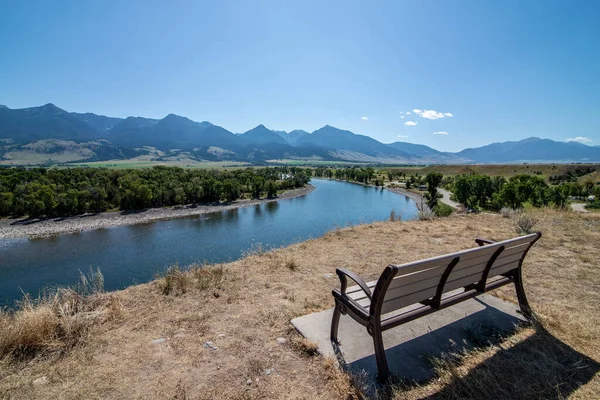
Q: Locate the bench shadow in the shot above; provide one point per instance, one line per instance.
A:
(539, 367)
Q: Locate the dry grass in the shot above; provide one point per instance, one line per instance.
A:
(244, 306)
(53, 323)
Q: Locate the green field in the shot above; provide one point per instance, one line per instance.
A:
(314, 163)
(136, 164)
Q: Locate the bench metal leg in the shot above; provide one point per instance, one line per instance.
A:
(335, 321)
(523, 303)
(383, 372)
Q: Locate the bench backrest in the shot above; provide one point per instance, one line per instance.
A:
(415, 282)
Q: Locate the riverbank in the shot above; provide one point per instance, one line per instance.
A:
(10, 228)
(224, 332)
(417, 198)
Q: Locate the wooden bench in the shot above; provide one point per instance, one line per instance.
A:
(431, 285)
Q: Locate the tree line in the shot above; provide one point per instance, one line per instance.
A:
(62, 192)
(479, 190)
(483, 191)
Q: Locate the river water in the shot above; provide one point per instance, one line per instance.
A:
(134, 254)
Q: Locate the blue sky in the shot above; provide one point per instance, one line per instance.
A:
(504, 70)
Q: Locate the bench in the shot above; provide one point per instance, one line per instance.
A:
(428, 286)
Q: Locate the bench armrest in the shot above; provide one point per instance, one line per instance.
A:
(483, 242)
(343, 273)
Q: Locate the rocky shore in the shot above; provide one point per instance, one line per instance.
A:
(11, 228)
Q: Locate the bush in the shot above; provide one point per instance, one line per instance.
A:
(56, 321)
(507, 212)
(524, 223)
(426, 214)
(173, 281)
(443, 210)
(594, 205)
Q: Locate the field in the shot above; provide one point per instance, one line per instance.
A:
(314, 163)
(135, 164)
(243, 307)
(506, 170)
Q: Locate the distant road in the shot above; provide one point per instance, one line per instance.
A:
(446, 199)
(579, 207)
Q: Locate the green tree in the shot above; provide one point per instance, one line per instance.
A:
(271, 188)
(257, 186)
(433, 180)
(6, 203)
(231, 190)
(463, 190)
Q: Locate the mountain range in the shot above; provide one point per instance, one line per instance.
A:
(51, 131)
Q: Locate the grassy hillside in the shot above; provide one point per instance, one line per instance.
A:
(243, 307)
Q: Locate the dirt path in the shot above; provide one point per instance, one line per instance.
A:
(446, 199)
(10, 228)
(579, 207)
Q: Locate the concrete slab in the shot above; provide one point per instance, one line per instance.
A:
(409, 347)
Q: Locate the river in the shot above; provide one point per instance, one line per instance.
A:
(135, 254)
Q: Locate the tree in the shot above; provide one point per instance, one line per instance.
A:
(271, 188)
(6, 203)
(257, 186)
(462, 190)
(231, 190)
(433, 180)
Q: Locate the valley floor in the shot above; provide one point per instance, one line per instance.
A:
(224, 331)
(13, 228)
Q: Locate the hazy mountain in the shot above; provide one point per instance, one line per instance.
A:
(531, 149)
(101, 123)
(262, 135)
(174, 132)
(294, 136)
(43, 126)
(347, 145)
(45, 122)
(426, 154)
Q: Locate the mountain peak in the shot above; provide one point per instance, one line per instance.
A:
(51, 108)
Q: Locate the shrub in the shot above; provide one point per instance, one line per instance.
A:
(57, 320)
(207, 277)
(443, 210)
(524, 223)
(507, 212)
(173, 281)
(594, 205)
(426, 214)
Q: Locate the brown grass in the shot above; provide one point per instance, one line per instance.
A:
(244, 306)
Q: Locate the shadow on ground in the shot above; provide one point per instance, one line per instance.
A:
(540, 367)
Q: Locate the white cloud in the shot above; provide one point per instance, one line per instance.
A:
(401, 112)
(402, 136)
(440, 133)
(431, 114)
(402, 116)
(410, 123)
(579, 139)
(364, 118)
(408, 113)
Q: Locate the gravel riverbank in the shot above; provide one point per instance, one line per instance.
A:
(11, 228)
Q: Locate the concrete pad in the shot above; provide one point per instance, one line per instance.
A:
(409, 347)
